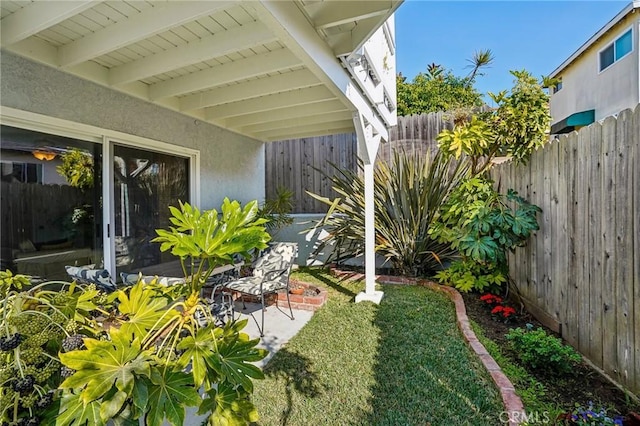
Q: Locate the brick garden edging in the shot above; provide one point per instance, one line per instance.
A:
(306, 303)
(511, 401)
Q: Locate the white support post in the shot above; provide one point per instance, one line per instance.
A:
(368, 147)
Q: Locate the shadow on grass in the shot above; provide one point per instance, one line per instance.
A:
(321, 275)
(424, 372)
(296, 370)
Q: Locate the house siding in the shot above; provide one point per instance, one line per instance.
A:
(609, 91)
(231, 165)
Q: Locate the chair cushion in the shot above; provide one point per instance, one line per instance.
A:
(251, 285)
(99, 277)
(279, 257)
(132, 279)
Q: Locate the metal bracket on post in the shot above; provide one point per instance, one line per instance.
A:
(367, 149)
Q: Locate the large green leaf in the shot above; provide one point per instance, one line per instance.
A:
(104, 364)
(196, 350)
(228, 406)
(233, 357)
(145, 309)
(74, 411)
(169, 393)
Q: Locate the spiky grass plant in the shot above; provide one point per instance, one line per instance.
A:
(408, 194)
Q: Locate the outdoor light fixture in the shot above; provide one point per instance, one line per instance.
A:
(44, 155)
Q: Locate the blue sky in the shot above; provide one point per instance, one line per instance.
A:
(535, 35)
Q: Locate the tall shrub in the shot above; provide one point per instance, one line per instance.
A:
(408, 195)
(478, 221)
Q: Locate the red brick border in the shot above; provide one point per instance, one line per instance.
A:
(511, 400)
(306, 303)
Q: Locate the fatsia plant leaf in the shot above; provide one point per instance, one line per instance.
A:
(228, 406)
(169, 394)
(74, 411)
(145, 310)
(104, 364)
(196, 350)
(232, 360)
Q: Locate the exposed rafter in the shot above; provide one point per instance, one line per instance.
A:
(290, 112)
(38, 16)
(320, 128)
(224, 43)
(350, 11)
(250, 89)
(345, 126)
(147, 23)
(242, 69)
(289, 123)
(267, 103)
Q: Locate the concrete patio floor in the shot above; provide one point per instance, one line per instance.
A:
(278, 326)
(278, 330)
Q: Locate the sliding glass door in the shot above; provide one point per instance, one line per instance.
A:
(145, 184)
(57, 212)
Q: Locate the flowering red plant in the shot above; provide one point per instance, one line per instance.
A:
(506, 312)
(499, 309)
(491, 299)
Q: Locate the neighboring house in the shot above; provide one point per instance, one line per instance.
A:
(173, 100)
(602, 77)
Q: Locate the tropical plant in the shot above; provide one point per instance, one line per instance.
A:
(77, 168)
(479, 223)
(516, 128)
(36, 322)
(408, 195)
(277, 210)
(143, 352)
(204, 241)
(441, 90)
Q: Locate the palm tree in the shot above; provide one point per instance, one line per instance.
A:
(480, 59)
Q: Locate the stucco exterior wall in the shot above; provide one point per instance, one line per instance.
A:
(231, 165)
(608, 92)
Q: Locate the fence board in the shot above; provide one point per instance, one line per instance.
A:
(551, 249)
(635, 149)
(562, 265)
(595, 244)
(582, 232)
(570, 329)
(624, 248)
(608, 234)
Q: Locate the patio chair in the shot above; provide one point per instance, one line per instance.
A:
(87, 275)
(270, 275)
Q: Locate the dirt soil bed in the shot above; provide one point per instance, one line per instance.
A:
(584, 384)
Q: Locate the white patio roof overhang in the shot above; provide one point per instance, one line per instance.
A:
(270, 70)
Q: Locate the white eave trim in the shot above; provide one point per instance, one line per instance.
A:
(619, 17)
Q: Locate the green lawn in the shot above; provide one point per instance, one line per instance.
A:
(403, 362)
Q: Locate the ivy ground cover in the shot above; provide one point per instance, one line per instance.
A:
(401, 362)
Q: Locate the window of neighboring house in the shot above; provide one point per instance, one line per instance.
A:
(557, 87)
(617, 50)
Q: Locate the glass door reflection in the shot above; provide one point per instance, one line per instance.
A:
(146, 183)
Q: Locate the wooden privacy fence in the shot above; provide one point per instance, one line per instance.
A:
(290, 163)
(36, 212)
(415, 134)
(580, 273)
